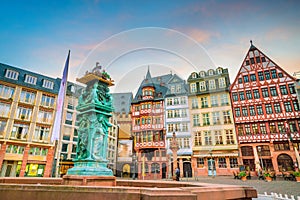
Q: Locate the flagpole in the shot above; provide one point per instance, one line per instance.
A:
(57, 125)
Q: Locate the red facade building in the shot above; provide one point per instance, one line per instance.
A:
(148, 127)
(266, 114)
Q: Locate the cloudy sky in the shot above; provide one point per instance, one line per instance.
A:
(126, 37)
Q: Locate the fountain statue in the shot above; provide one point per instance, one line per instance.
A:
(94, 110)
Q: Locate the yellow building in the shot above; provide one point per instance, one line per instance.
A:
(215, 149)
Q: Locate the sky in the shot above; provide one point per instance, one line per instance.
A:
(127, 37)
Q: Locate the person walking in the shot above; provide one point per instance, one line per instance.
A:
(177, 173)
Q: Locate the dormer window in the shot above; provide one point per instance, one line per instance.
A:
(12, 74)
(194, 75)
(210, 72)
(219, 70)
(202, 74)
(30, 79)
(48, 84)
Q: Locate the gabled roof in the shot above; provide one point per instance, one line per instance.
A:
(159, 83)
(254, 60)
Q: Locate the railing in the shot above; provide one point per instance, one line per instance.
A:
(275, 196)
(259, 137)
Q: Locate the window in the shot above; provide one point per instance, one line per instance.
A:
(252, 77)
(281, 127)
(229, 136)
(41, 133)
(193, 87)
(219, 70)
(27, 97)
(176, 101)
(242, 96)
(169, 101)
(246, 78)
(283, 90)
(240, 130)
(245, 111)
(233, 162)
(240, 80)
(259, 110)
(194, 75)
(273, 91)
(24, 113)
(44, 116)
(47, 101)
(292, 88)
(19, 131)
(269, 109)
(6, 92)
(182, 100)
(247, 129)
(2, 128)
(263, 129)
(263, 59)
(218, 137)
(11, 74)
(200, 162)
(212, 84)
(249, 94)
(257, 59)
(202, 74)
(296, 105)
(216, 118)
(267, 75)
(210, 72)
(261, 76)
(265, 92)
(202, 86)
(30, 79)
(256, 94)
(288, 106)
(194, 103)
(172, 90)
(186, 142)
(214, 101)
(197, 140)
(206, 120)
(204, 102)
(48, 84)
(252, 111)
(196, 120)
(272, 126)
(224, 100)
(235, 96)
(4, 109)
(273, 73)
(280, 75)
(247, 151)
(222, 163)
(226, 115)
(222, 83)
(237, 112)
(252, 60)
(69, 118)
(207, 138)
(254, 128)
(282, 146)
(15, 149)
(170, 128)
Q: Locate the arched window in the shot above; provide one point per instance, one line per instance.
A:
(155, 168)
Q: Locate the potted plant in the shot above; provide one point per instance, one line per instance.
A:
(243, 175)
(267, 176)
(297, 175)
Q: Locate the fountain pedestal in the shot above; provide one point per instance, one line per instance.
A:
(94, 110)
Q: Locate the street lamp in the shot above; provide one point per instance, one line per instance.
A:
(259, 150)
(134, 165)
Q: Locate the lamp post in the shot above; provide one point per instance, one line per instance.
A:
(134, 165)
(259, 150)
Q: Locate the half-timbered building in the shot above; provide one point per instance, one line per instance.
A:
(148, 128)
(266, 114)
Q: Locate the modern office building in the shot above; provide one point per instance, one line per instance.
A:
(148, 128)
(215, 149)
(177, 121)
(27, 109)
(266, 113)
